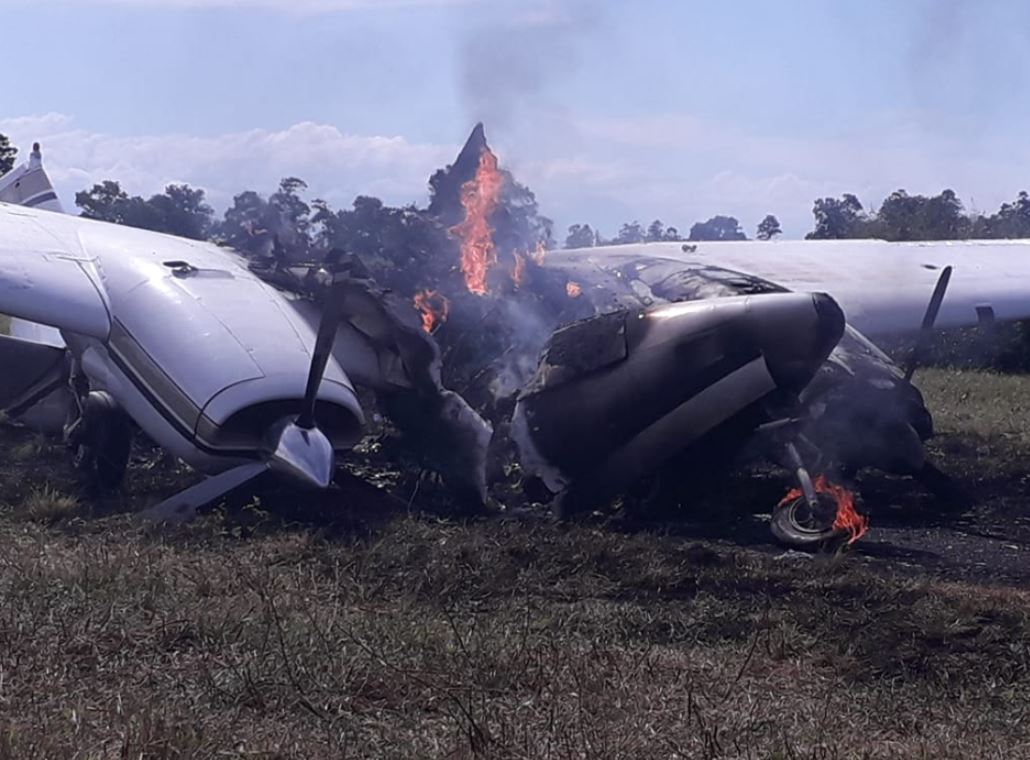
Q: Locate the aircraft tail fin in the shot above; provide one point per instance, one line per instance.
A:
(28, 185)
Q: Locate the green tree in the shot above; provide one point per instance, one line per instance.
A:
(834, 219)
(400, 246)
(671, 234)
(1012, 220)
(768, 228)
(581, 236)
(290, 222)
(105, 201)
(655, 231)
(916, 217)
(243, 220)
(279, 226)
(898, 217)
(180, 210)
(631, 232)
(7, 154)
(108, 202)
(717, 228)
(183, 212)
(945, 219)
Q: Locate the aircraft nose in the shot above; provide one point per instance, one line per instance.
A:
(796, 334)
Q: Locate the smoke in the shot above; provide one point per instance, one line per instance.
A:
(529, 331)
(962, 53)
(507, 67)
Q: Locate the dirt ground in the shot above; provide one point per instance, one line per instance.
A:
(378, 633)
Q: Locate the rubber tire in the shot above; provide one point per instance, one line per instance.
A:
(788, 530)
(103, 458)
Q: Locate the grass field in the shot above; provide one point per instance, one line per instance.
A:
(416, 637)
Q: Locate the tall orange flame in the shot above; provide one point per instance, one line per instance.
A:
(848, 519)
(433, 309)
(479, 197)
(539, 253)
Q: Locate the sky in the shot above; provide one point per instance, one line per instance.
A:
(609, 111)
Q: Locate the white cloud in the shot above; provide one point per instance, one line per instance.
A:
(337, 166)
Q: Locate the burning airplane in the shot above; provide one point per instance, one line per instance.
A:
(589, 369)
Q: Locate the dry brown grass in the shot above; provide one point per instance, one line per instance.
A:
(47, 504)
(490, 640)
(495, 639)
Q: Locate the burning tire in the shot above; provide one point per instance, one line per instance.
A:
(795, 523)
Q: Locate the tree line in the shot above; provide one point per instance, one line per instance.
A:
(918, 217)
(183, 210)
(718, 227)
(280, 225)
(900, 217)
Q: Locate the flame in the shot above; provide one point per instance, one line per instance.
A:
(433, 308)
(479, 197)
(847, 519)
(573, 290)
(539, 253)
(518, 274)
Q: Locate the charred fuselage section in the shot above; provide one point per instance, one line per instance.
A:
(618, 395)
(857, 410)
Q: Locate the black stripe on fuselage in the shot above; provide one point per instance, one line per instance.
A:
(48, 196)
(121, 343)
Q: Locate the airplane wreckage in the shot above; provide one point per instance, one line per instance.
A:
(591, 369)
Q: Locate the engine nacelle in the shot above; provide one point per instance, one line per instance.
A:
(617, 395)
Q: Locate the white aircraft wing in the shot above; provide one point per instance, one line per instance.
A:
(882, 287)
(46, 276)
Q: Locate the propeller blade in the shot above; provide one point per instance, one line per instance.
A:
(332, 311)
(183, 506)
(926, 330)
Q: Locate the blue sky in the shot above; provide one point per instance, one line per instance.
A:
(609, 111)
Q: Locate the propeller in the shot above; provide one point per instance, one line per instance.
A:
(926, 330)
(331, 314)
(183, 506)
(295, 447)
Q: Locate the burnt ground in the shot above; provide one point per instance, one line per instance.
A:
(380, 629)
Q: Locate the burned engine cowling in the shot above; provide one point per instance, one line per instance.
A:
(616, 395)
(861, 412)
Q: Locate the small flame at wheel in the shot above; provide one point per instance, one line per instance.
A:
(848, 518)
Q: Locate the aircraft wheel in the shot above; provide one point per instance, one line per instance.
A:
(798, 525)
(102, 448)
